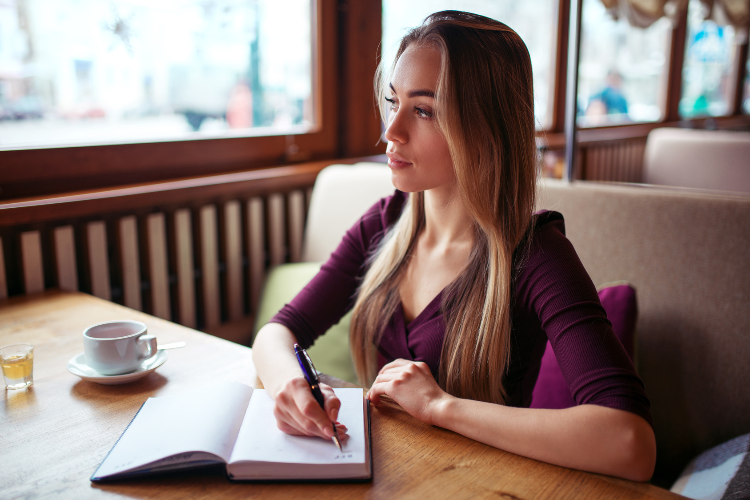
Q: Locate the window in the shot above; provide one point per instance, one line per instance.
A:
(708, 67)
(534, 20)
(76, 72)
(215, 148)
(622, 71)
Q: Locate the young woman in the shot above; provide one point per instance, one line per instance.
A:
(456, 285)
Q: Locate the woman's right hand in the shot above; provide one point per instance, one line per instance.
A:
(298, 413)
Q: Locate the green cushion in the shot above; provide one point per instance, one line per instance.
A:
(330, 353)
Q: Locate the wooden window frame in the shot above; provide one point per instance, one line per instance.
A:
(346, 55)
(553, 137)
(46, 171)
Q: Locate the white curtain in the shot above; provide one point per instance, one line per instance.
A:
(730, 12)
(644, 13)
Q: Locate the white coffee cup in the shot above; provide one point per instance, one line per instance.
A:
(117, 347)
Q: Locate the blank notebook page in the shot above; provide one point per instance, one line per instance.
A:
(205, 419)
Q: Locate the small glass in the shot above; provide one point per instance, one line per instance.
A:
(17, 361)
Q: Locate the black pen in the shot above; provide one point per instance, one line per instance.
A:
(308, 369)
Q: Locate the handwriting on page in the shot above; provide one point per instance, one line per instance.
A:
(122, 465)
(260, 439)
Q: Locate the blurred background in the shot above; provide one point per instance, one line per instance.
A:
(92, 71)
(87, 72)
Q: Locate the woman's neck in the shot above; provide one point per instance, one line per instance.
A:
(446, 220)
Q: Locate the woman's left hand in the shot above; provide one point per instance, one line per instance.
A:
(412, 386)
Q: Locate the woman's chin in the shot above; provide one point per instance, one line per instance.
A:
(402, 184)
(412, 184)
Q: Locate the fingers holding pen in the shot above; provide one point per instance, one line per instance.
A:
(289, 425)
(332, 404)
(289, 419)
(297, 412)
(314, 418)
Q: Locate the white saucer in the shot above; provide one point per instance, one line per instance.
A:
(77, 366)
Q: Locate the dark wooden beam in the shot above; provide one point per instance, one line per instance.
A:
(557, 108)
(360, 28)
(740, 72)
(674, 75)
(571, 90)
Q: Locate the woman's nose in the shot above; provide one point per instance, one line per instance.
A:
(396, 130)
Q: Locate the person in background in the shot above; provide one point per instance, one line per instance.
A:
(610, 101)
(456, 284)
(240, 106)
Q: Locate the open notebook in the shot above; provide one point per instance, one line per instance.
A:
(233, 424)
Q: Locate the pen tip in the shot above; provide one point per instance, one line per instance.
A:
(336, 440)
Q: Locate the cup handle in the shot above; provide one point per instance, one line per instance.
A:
(146, 346)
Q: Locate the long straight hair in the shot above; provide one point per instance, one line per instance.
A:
(485, 110)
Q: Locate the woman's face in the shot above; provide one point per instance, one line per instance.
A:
(417, 151)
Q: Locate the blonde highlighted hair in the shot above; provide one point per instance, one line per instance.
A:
(484, 108)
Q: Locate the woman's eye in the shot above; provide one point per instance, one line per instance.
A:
(423, 113)
(391, 104)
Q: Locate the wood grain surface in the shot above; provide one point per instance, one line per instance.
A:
(55, 434)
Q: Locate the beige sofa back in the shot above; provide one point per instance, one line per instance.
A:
(704, 159)
(342, 194)
(688, 255)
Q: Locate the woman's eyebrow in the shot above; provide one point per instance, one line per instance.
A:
(415, 93)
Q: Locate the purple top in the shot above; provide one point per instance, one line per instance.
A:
(553, 298)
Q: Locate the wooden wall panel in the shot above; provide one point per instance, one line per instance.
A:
(255, 250)
(210, 266)
(3, 276)
(184, 266)
(33, 269)
(131, 270)
(177, 194)
(276, 229)
(96, 241)
(232, 229)
(607, 163)
(620, 161)
(296, 204)
(65, 259)
(157, 265)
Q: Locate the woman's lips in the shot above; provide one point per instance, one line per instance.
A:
(397, 162)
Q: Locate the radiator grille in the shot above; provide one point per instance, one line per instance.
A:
(200, 266)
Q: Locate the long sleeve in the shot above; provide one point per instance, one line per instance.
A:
(332, 292)
(555, 287)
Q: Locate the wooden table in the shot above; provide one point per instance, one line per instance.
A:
(54, 435)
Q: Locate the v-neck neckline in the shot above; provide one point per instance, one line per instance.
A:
(427, 309)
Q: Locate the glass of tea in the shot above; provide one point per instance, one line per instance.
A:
(17, 362)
